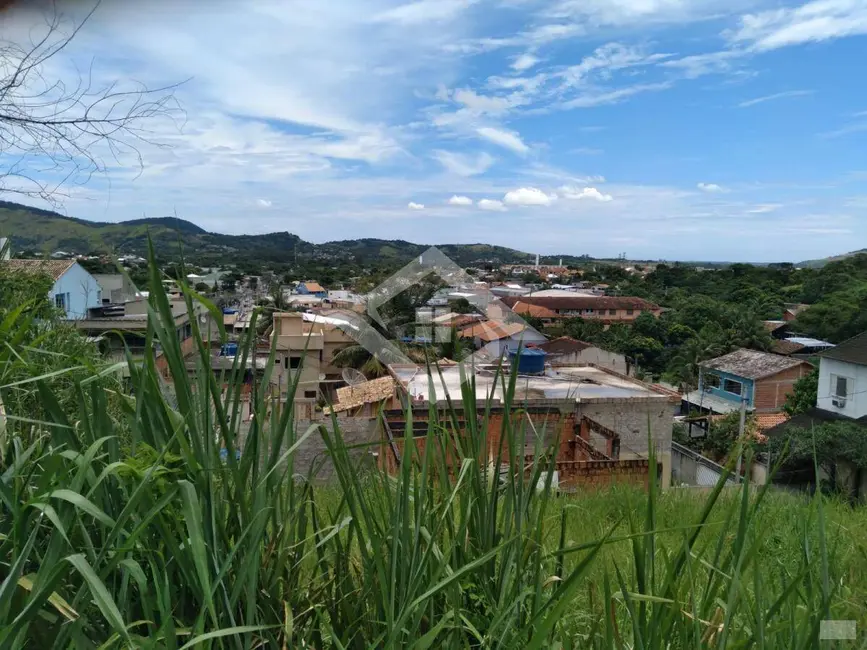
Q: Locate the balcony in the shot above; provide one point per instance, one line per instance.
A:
(300, 341)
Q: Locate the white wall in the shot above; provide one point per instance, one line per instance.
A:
(856, 403)
(596, 356)
(82, 292)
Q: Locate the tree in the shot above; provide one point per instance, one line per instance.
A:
(202, 287)
(804, 394)
(56, 133)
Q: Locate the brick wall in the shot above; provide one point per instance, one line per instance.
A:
(770, 393)
(582, 475)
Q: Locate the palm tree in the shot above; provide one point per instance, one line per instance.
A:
(685, 365)
(358, 357)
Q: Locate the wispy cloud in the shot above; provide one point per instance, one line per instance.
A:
(767, 98)
(849, 129)
(507, 139)
(464, 164)
(710, 188)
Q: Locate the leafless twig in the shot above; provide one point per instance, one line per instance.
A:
(56, 132)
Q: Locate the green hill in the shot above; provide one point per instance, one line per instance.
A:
(815, 264)
(43, 231)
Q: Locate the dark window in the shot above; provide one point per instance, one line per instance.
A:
(612, 312)
(310, 394)
(731, 386)
(630, 312)
(841, 386)
(60, 300)
(711, 381)
(295, 362)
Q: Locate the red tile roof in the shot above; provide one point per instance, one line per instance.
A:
(53, 268)
(584, 302)
(537, 311)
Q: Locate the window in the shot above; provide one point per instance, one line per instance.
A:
(612, 312)
(840, 386)
(711, 381)
(295, 362)
(630, 312)
(310, 394)
(732, 386)
(60, 300)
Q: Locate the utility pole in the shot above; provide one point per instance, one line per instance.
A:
(741, 427)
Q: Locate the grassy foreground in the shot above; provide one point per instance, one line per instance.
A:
(124, 528)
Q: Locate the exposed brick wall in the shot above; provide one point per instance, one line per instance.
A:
(593, 474)
(770, 393)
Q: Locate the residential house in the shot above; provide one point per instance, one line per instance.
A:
(841, 397)
(760, 379)
(602, 424)
(606, 309)
(778, 329)
(75, 291)
(121, 327)
(566, 351)
(117, 288)
(496, 338)
(311, 288)
(801, 346)
(843, 379)
(299, 356)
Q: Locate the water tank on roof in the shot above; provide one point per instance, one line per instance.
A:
(229, 350)
(530, 361)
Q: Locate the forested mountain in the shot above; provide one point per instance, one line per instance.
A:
(43, 231)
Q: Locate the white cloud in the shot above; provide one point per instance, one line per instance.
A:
(815, 21)
(460, 200)
(765, 208)
(768, 98)
(529, 196)
(482, 104)
(464, 164)
(604, 97)
(585, 193)
(506, 139)
(524, 62)
(492, 205)
(263, 203)
(611, 56)
(856, 127)
(415, 206)
(424, 11)
(711, 188)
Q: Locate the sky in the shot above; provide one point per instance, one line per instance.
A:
(663, 129)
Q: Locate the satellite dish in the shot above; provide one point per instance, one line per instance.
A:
(353, 377)
(203, 319)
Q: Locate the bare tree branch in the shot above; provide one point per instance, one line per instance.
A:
(56, 132)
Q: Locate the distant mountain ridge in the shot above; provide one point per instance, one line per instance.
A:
(814, 264)
(44, 231)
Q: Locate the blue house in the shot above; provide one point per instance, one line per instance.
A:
(760, 379)
(75, 291)
(311, 288)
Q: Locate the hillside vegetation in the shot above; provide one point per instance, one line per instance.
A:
(43, 231)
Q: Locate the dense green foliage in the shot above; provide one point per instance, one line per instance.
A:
(804, 394)
(150, 540)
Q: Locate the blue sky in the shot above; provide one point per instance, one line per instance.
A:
(665, 129)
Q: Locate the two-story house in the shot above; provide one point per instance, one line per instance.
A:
(311, 288)
(760, 379)
(75, 291)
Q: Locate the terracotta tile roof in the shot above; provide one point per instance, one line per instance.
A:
(53, 268)
(537, 311)
(786, 347)
(313, 287)
(765, 421)
(564, 345)
(584, 302)
(853, 350)
(752, 364)
(368, 392)
(492, 330)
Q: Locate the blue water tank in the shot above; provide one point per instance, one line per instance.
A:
(530, 362)
(229, 350)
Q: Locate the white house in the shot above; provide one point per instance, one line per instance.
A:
(843, 379)
(75, 291)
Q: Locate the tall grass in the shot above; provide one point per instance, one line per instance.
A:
(132, 531)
